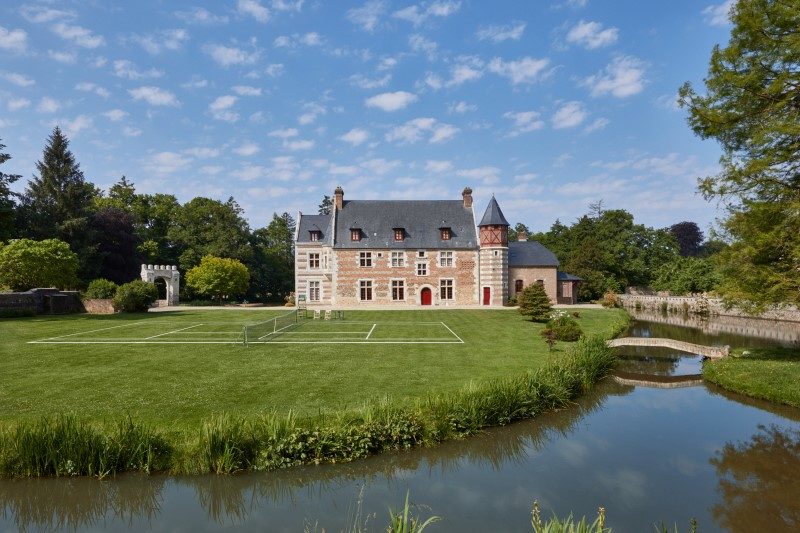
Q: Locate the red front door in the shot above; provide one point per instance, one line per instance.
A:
(487, 296)
(425, 296)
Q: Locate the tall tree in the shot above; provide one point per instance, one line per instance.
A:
(7, 196)
(273, 265)
(326, 206)
(117, 257)
(751, 106)
(689, 237)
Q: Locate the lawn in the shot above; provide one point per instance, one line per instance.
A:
(177, 385)
(769, 373)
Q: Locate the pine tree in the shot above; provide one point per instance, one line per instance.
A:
(534, 302)
(7, 203)
(326, 206)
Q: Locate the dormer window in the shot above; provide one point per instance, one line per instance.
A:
(314, 236)
(399, 234)
(355, 234)
(445, 233)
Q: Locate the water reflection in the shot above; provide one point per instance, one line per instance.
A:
(759, 482)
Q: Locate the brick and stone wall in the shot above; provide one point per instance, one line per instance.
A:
(701, 304)
(347, 274)
(98, 306)
(40, 301)
(529, 275)
(323, 274)
(494, 274)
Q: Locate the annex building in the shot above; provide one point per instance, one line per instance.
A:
(418, 253)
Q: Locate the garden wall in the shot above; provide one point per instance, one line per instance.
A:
(40, 302)
(700, 304)
(98, 306)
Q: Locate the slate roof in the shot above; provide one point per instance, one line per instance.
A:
(421, 220)
(563, 276)
(530, 253)
(309, 223)
(493, 215)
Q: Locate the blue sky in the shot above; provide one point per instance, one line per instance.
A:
(549, 104)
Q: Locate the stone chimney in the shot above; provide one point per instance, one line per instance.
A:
(467, 196)
(338, 198)
(522, 235)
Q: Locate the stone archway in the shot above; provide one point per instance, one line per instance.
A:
(170, 275)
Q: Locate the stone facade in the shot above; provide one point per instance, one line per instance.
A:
(529, 275)
(170, 275)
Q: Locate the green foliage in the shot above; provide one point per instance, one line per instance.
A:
(684, 275)
(567, 525)
(403, 522)
(610, 299)
(688, 236)
(564, 327)
(273, 263)
(136, 296)
(26, 264)
(219, 277)
(749, 105)
(101, 289)
(534, 302)
(7, 203)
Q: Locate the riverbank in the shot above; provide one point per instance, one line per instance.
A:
(771, 374)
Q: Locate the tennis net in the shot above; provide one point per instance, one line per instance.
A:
(261, 331)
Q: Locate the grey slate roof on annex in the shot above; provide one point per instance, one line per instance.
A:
(563, 276)
(310, 223)
(421, 219)
(493, 216)
(530, 253)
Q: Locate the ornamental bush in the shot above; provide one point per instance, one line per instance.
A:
(26, 264)
(136, 296)
(219, 277)
(534, 302)
(101, 289)
(564, 327)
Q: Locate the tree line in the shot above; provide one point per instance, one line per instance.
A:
(113, 232)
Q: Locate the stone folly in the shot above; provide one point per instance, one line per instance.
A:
(407, 253)
(170, 275)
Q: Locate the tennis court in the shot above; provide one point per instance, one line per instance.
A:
(290, 328)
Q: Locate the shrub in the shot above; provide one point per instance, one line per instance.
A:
(610, 299)
(564, 327)
(218, 277)
(534, 302)
(26, 264)
(101, 289)
(135, 296)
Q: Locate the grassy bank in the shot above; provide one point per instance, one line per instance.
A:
(768, 373)
(69, 446)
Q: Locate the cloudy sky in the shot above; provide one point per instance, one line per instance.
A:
(549, 104)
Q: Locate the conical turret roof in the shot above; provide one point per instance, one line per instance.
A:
(493, 215)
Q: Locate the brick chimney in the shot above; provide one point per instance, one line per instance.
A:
(338, 198)
(467, 196)
(522, 235)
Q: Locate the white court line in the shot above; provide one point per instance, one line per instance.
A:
(174, 331)
(252, 342)
(370, 332)
(94, 330)
(453, 332)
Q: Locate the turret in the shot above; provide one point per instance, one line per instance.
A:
(493, 229)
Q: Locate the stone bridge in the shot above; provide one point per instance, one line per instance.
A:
(714, 352)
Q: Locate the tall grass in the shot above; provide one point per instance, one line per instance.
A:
(568, 525)
(66, 446)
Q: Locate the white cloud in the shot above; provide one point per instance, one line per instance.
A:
(128, 131)
(284, 133)
(164, 163)
(499, 34)
(525, 70)
(419, 43)
(569, 115)
(287, 5)
(597, 125)
(461, 107)
(487, 174)
(718, 14)
(230, 55)
(525, 178)
(299, 144)
(89, 87)
(247, 149)
(387, 63)
(126, 69)
(78, 35)
(417, 15)
(15, 104)
(220, 108)
(414, 130)
(670, 102)
(201, 16)
(202, 152)
(356, 136)
(48, 105)
(367, 16)
(42, 14)
(438, 167)
(468, 69)
(359, 80)
(274, 70)
(380, 166)
(115, 115)
(212, 170)
(623, 77)
(19, 80)
(13, 40)
(246, 90)
(294, 40)
(391, 101)
(75, 126)
(195, 83)
(154, 96)
(62, 57)
(524, 122)
(592, 35)
(254, 9)
(313, 110)
(155, 43)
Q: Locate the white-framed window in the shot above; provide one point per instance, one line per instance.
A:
(313, 261)
(365, 290)
(422, 268)
(314, 291)
(365, 259)
(446, 259)
(398, 290)
(445, 289)
(398, 259)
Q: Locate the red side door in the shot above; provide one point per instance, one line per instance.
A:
(425, 296)
(487, 296)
